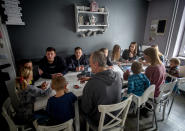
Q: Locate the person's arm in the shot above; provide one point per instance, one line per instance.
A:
(86, 103)
(71, 65)
(130, 85)
(43, 69)
(175, 73)
(146, 82)
(36, 92)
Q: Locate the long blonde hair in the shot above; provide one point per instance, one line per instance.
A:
(116, 53)
(154, 57)
(157, 49)
(21, 81)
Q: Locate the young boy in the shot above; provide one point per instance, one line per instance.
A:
(60, 107)
(173, 68)
(138, 82)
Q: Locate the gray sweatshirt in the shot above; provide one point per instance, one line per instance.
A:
(103, 88)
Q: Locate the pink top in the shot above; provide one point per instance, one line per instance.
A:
(156, 75)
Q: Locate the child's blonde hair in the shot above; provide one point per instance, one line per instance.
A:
(21, 82)
(116, 53)
(176, 61)
(136, 67)
(154, 57)
(58, 83)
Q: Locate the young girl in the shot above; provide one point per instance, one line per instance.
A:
(156, 70)
(26, 95)
(115, 56)
(131, 53)
(60, 107)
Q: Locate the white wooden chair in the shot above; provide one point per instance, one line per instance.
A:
(67, 126)
(7, 112)
(180, 84)
(166, 90)
(141, 100)
(118, 120)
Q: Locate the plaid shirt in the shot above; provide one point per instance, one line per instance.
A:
(137, 83)
(174, 71)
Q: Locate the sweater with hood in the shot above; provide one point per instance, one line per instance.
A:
(104, 88)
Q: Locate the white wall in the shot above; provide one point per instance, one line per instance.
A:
(163, 9)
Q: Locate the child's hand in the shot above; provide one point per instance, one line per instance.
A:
(78, 68)
(81, 67)
(44, 85)
(40, 72)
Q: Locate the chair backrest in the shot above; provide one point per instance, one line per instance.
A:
(118, 119)
(166, 90)
(67, 126)
(182, 71)
(7, 111)
(149, 93)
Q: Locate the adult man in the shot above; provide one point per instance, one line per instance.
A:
(52, 65)
(77, 61)
(103, 88)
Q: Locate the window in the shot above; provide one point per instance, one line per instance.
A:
(182, 47)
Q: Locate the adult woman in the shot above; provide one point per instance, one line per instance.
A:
(156, 70)
(116, 53)
(131, 53)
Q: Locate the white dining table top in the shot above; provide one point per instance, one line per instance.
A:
(71, 78)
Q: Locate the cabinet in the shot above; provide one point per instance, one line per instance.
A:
(87, 20)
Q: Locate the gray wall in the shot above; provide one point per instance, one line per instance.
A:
(52, 23)
(163, 9)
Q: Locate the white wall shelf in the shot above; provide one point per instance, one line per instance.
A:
(84, 11)
(90, 12)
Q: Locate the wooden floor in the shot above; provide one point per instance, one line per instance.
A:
(175, 121)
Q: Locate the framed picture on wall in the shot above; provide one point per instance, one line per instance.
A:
(161, 27)
(157, 27)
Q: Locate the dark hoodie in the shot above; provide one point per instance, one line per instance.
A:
(58, 66)
(104, 88)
